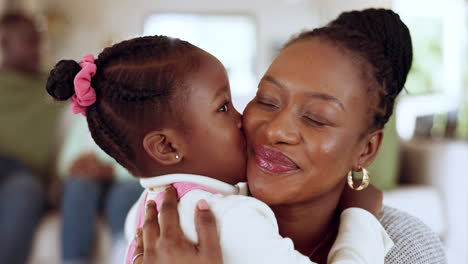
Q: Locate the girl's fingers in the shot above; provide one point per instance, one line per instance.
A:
(205, 224)
(169, 215)
(151, 226)
(139, 250)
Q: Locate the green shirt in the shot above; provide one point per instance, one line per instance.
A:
(79, 141)
(28, 119)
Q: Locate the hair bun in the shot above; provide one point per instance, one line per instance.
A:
(60, 83)
(384, 27)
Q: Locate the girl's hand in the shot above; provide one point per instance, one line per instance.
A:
(88, 166)
(165, 243)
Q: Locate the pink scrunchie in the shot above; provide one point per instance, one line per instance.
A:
(85, 95)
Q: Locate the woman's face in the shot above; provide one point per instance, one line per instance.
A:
(305, 126)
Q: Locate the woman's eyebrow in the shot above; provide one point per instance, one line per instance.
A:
(312, 95)
(272, 80)
(326, 97)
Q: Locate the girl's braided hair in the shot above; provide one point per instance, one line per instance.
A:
(138, 86)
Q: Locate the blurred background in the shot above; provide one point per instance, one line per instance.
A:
(423, 164)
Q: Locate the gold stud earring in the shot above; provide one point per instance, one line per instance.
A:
(364, 183)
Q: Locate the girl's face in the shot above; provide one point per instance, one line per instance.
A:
(304, 127)
(215, 138)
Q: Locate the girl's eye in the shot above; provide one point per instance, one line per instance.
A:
(224, 107)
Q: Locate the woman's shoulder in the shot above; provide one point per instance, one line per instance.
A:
(414, 241)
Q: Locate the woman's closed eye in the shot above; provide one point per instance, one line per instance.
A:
(314, 121)
(319, 120)
(266, 103)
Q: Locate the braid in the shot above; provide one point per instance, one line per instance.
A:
(143, 47)
(136, 81)
(108, 138)
(383, 41)
(127, 94)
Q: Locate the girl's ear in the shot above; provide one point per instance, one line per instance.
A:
(164, 146)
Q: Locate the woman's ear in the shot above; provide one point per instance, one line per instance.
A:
(371, 148)
(164, 146)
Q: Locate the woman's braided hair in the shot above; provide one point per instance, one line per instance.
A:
(380, 38)
(138, 85)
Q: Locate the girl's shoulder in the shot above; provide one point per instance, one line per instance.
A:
(414, 241)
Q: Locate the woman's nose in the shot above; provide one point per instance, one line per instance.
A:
(282, 130)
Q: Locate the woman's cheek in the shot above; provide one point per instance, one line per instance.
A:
(249, 123)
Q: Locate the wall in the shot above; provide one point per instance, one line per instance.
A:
(329, 9)
(91, 25)
(31, 6)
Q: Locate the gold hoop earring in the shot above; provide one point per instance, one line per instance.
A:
(365, 180)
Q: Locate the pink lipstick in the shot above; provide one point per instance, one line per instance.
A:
(273, 161)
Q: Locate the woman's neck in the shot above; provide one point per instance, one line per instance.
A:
(309, 223)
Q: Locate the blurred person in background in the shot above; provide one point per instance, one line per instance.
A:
(94, 182)
(28, 122)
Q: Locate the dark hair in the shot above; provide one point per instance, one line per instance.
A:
(138, 85)
(380, 38)
(13, 18)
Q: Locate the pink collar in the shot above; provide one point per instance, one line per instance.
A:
(182, 188)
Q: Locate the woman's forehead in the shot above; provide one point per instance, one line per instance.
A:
(316, 66)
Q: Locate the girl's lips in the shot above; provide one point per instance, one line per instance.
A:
(273, 161)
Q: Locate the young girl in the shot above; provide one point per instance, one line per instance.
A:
(162, 108)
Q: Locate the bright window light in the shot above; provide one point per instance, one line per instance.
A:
(434, 83)
(230, 38)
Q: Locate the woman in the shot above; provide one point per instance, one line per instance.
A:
(319, 111)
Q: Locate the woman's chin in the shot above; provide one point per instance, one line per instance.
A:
(260, 193)
(263, 186)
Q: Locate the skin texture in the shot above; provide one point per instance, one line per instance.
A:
(212, 142)
(311, 106)
(21, 47)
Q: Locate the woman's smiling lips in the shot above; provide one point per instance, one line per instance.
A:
(273, 161)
